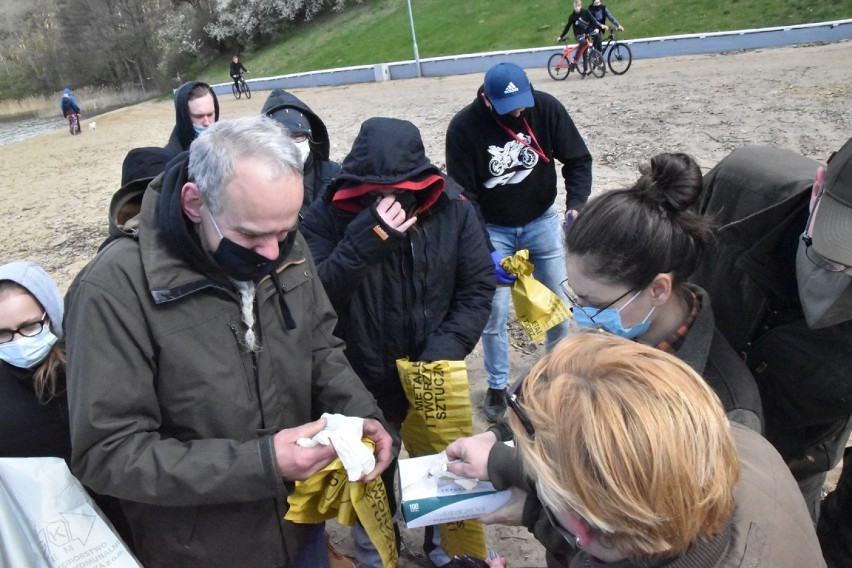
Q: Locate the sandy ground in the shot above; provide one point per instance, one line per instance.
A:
(56, 188)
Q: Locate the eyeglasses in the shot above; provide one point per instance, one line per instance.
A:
(812, 254)
(820, 260)
(574, 300)
(569, 537)
(27, 330)
(513, 399)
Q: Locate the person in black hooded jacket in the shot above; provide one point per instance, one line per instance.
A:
(196, 108)
(310, 134)
(403, 259)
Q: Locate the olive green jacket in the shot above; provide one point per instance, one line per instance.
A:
(171, 414)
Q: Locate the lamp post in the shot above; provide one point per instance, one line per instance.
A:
(414, 39)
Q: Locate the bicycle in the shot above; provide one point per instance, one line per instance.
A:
(560, 65)
(240, 87)
(74, 123)
(618, 54)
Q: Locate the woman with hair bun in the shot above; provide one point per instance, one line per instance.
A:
(628, 256)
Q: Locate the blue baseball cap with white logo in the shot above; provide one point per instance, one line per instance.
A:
(508, 88)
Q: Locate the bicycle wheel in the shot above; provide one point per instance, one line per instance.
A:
(236, 90)
(246, 89)
(597, 66)
(558, 66)
(619, 58)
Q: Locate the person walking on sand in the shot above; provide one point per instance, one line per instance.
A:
(69, 107)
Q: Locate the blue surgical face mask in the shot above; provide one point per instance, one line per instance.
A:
(27, 352)
(610, 319)
(198, 129)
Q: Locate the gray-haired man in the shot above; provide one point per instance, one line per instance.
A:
(202, 351)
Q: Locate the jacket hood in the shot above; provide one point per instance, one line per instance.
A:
(175, 229)
(386, 151)
(183, 123)
(37, 282)
(280, 99)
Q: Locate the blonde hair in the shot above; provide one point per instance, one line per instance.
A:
(630, 439)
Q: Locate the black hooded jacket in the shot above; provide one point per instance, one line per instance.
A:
(183, 133)
(424, 294)
(319, 170)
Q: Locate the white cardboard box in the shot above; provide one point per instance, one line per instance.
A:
(428, 500)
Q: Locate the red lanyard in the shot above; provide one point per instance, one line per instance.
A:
(537, 148)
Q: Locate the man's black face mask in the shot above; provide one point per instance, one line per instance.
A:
(241, 263)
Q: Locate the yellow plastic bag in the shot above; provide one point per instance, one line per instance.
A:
(328, 494)
(537, 307)
(439, 412)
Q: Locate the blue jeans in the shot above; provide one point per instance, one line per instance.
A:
(314, 554)
(543, 238)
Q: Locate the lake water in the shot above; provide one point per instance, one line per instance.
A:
(14, 129)
(21, 128)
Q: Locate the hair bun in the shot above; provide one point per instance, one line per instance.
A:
(674, 181)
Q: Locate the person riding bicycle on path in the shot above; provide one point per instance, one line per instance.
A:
(310, 134)
(237, 70)
(502, 148)
(196, 108)
(583, 23)
(601, 13)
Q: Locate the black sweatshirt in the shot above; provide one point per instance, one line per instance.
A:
(509, 181)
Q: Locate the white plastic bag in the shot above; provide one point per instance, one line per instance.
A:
(48, 519)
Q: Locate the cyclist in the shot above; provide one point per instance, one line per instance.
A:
(69, 106)
(583, 23)
(601, 13)
(237, 70)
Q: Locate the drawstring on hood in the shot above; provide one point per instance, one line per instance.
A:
(289, 322)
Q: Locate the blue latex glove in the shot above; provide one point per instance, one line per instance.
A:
(502, 276)
(570, 216)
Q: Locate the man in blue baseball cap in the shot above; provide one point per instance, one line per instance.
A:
(502, 148)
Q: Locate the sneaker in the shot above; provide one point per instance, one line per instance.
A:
(495, 404)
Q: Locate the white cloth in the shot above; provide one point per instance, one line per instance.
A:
(345, 433)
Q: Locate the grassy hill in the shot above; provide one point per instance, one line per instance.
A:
(379, 31)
